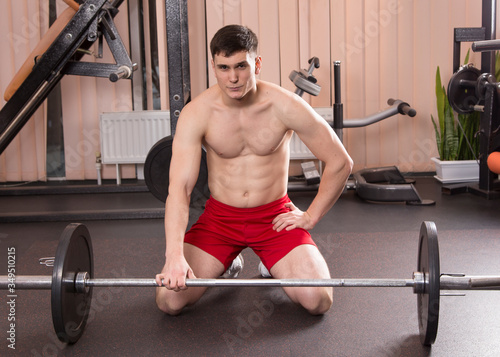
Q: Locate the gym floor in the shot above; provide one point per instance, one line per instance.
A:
(358, 240)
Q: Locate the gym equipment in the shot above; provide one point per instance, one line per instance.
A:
(72, 282)
(382, 184)
(179, 81)
(156, 172)
(92, 22)
(483, 96)
(311, 174)
(467, 89)
(494, 162)
(70, 310)
(462, 93)
(304, 80)
(386, 184)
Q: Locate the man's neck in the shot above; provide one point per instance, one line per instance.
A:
(247, 100)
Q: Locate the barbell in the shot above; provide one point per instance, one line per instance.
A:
(72, 281)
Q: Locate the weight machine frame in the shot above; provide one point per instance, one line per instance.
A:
(93, 20)
(488, 186)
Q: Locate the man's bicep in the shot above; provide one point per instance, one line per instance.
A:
(186, 157)
(320, 138)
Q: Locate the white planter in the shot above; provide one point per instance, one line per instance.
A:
(456, 171)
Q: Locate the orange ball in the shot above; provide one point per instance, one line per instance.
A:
(494, 162)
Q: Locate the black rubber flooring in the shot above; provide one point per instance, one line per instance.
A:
(357, 238)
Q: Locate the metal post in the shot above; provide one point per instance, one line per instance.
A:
(489, 24)
(136, 32)
(338, 111)
(487, 178)
(179, 80)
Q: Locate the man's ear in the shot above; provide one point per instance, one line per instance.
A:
(258, 64)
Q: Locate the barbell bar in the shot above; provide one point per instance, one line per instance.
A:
(72, 282)
(82, 281)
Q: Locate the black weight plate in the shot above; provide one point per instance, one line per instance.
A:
(463, 97)
(157, 167)
(70, 309)
(428, 301)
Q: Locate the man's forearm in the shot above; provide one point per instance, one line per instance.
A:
(176, 221)
(330, 188)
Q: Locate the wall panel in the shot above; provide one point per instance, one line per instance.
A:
(289, 40)
(372, 77)
(319, 46)
(423, 81)
(405, 68)
(269, 43)
(22, 26)
(387, 22)
(354, 91)
(197, 47)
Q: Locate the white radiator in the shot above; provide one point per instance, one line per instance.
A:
(126, 137)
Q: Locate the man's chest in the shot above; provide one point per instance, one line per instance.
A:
(253, 133)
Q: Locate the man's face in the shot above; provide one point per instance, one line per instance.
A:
(236, 74)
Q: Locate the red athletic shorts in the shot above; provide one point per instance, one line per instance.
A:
(224, 231)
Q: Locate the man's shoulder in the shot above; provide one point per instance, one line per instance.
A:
(272, 88)
(279, 97)
(201, 104)
(207, 96)
(283, 99)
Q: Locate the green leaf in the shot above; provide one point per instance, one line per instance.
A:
(470, 125)
(451, 136)
(440, 102)
(450, 139)
(497, 65)
(438, 137)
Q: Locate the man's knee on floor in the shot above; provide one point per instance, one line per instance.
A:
(168, 305)
(317, 301)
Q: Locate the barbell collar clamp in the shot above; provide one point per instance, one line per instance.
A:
(419, 282)
(81, 279)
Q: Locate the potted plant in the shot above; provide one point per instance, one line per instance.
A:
(457, 140)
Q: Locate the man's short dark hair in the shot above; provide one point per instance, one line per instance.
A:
(233, 38)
